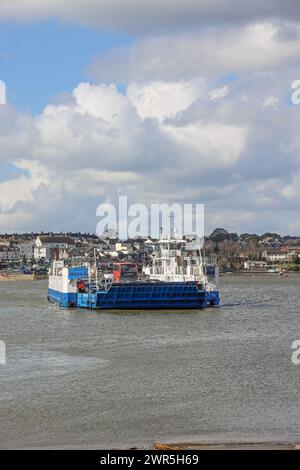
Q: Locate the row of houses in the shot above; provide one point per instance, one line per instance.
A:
(63, 246)
(9, 254)
(282, 255)
(42, 247)
(270, 257)
(48, 247)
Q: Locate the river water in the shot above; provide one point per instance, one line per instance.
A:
(117, 380)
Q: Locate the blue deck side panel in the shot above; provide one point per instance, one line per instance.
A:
(78, 273)
(64, 300)
(140, 295)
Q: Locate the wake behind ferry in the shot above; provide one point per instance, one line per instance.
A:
(176, 278)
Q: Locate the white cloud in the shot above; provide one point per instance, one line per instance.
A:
(102, 101)
(219, 93)
(171, 136)
(100, 141)
(179, 146)
(164, 100)
(100, 182)
(2, 92)
(222, 50)
(292, 190)
(143, 15)
(210, 145)
(271, 102)
(23, 187)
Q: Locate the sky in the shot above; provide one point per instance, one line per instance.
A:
(169, 101)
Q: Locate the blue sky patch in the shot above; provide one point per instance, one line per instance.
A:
(40, 61)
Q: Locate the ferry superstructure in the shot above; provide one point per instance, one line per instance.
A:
(174, 279)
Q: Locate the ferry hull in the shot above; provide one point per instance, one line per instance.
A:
(65, 300)
(142, 296)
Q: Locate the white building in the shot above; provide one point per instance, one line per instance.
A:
(4, 243)
(49, 246)
(255, 264)
(9, 254)
(279, 256)
(27, 250)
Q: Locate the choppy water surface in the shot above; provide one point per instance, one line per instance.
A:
(82, 378)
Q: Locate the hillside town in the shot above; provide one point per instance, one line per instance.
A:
(33, 253)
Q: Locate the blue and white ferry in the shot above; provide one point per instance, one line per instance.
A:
(175, 279)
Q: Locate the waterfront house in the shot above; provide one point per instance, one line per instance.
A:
(279, 256)
(9, 254)
(255, 265)
(27, 250)
(51, 246)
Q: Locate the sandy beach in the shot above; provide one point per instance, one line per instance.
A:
(6, 277)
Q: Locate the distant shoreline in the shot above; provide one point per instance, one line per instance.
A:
(8, 277)
(257, 273)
